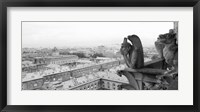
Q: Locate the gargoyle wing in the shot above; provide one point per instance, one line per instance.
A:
(137, 45)
(136, 42)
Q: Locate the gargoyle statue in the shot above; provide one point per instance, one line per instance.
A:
(136, 74)
(134, 58)
(169, 52)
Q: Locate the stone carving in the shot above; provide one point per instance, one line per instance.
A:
(160, 45)
(134, 58)
(169, 52)
(136, 74)
(133, 54)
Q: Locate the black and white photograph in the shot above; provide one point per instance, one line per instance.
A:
(99, 55)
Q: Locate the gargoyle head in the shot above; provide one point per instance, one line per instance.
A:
(167, 38)
(125, 47)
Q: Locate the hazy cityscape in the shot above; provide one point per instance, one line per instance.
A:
(53, 61)
(40, 62)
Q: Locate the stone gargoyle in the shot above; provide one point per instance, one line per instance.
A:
(139, 77)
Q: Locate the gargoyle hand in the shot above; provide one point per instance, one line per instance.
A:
(124, 51)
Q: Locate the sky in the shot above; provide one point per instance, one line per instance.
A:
(89, 34)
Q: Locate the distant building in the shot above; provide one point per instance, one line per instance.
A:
(28, 66)
(56, 58)
(72, 79)
(59, 60)
(55, 52)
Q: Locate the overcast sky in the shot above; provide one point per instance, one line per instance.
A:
(89, 34)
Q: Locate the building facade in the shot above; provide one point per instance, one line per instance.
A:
(56, 58)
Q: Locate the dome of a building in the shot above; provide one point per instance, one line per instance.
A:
(55, 49)
(55, 52)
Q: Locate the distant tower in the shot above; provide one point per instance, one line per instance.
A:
(55, 52)
(176, 29)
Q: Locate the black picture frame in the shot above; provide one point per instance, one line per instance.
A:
(99, 3)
